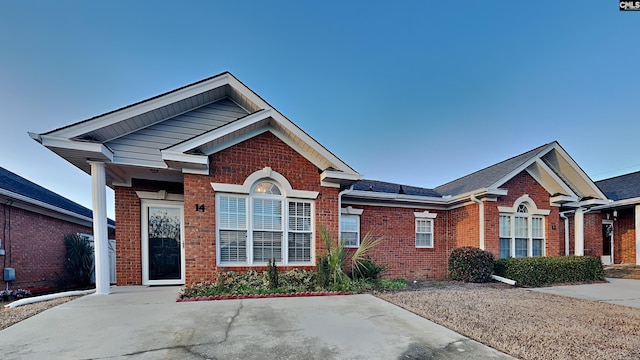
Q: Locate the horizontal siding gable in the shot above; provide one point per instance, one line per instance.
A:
(145, 144)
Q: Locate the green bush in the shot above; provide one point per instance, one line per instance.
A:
(539, 271)
(470, 264)
(368, 270)
(78, 259)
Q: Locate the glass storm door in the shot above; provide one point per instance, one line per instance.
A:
(162, 243)
(607, 242)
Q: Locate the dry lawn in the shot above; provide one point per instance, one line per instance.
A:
(528, 324)
(9, 317)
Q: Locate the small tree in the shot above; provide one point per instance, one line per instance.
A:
(78, 259)
(330, 269)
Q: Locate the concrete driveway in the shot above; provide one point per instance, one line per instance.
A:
(147, 323)
(616, 291)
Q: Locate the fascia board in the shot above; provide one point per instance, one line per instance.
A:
(479, 193)
(522, 167)
(618, 203)
(198, 160)
(579, 170)
(316, 146)
(146, 106)
(388, 204)
(220, 132)
(397, 197)
(593, 202)
(80, 219)
(339, 175)
(101, 152)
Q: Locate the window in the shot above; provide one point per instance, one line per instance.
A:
(522, 230)
(424, 233)
(299, 231)
(350, 230)
(263, 225)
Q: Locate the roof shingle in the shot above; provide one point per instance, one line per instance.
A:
(21, 186)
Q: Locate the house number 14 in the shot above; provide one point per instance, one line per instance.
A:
(200, 207)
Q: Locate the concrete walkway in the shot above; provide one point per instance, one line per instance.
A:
(615, 291)
(147, 323)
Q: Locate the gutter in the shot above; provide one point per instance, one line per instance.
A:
(47, 206)
(481, 218)
(340, 194)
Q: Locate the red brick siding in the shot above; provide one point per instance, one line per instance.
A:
(464, 227)
(624, 237)
(34, 245)
(398, 251)
(230, 166)
(593, 234)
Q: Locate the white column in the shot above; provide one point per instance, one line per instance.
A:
(100, 235)
(637, 227)
(578, 233)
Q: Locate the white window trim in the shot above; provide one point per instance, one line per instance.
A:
(245, 191)
(425, 215)
(357, 217)
(533, 212)
(266, 174)
(429, 220)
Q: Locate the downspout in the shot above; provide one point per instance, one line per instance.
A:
(566, 232)
(340, 194)
(481, 216)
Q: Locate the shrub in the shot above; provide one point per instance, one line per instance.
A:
(470, 264)
(78, 259)
(539, 271)
(368, 270)
(272, 272)
(9, 295)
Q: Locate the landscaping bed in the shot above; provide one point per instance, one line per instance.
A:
(527, 324)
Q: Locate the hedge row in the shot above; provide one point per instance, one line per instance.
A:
(539, 271)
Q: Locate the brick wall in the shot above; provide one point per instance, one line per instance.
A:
(464, 227)
(230, 166)
(34, 245)
(593, 234)
(398, 251)
(624, 237)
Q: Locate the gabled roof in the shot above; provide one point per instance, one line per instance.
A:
(621, 187)
(548, 164)
(489, 176)
(167, 135)
(18, 188)
(391, 188)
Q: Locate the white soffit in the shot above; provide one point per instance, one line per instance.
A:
(549, 179)
(560, 161)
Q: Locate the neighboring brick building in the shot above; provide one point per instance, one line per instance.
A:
(33, 224)
(210, 177)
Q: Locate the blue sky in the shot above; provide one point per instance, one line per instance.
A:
(413, 92)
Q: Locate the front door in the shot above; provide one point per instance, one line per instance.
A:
(162, 243)
(607, 242)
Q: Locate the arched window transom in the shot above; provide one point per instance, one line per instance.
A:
(262, 225)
